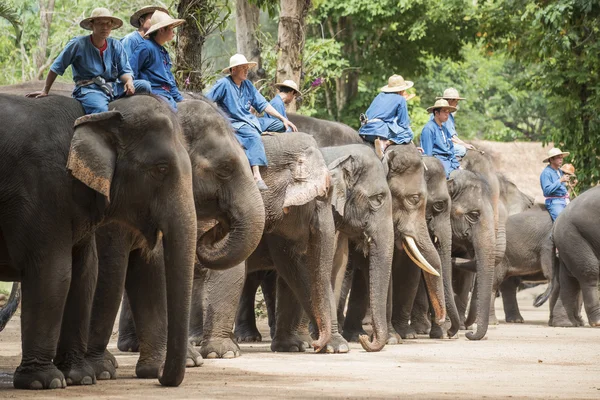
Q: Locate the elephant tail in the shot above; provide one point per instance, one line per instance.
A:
(552, 282)
(11, 305)
(542, 298)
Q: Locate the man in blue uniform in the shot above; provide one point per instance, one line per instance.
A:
(97, 62)
(151, 61)
(235, 94)
(452, 97)
(288, 90)
(387, 118)
(553, 181)
(140, 20)
(436, 140)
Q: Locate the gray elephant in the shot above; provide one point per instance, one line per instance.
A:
(577, 239)
(225, 193)
(123, 168)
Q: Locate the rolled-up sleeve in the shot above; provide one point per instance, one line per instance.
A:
(65, 58)
(121, 59)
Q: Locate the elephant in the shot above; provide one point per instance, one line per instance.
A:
(128, 165)
(575, 234)
(224, 192)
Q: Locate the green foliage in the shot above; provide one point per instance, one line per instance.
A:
(560, 38)
(8, 13)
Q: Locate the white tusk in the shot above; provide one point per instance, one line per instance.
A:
(415, 255)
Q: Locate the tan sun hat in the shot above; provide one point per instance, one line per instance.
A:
(555, 151)
(441, 103)
(135, 18)
(410, 96)
(290, 84)
(161, 20)
(396, 83)
(236, 60)
(568, 169)
(100, 13)
(451, 94)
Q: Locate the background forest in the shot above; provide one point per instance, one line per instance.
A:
(529, 69)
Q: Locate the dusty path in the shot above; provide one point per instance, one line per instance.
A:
(517, 361)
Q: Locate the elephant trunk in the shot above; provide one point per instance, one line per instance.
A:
(244, 224)
(380, 266)
(11, 305)
(179, 243)
(484, 244)
(444, 237)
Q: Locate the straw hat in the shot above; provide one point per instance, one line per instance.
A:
(555, 152)
(236, 60)
(99, 13)
(290, 84)
(451, 94)
(135, 18)
(441, 103)
(396, 83)
(568, 169)
(161, 20)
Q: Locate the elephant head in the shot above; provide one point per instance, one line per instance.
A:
(406, 180)
(224, 188)
(135, 160)
(474, 233)
(362, 208)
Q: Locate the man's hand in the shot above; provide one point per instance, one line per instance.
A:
(37, 95)
(469, 146)
(288, 124)
(129, 88)
(564, 178)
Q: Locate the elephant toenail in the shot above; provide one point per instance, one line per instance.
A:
(329, 349)
(36, 385)
(87, 380)
(189, 363)
(69, 381)
(229, 354)
(104, 375)
(56, 383)
(212, 354)
(294, 349)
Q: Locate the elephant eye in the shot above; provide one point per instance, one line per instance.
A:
(414, 199)
(160, 170)
(376, 201)
(439, 206)
(472, 217)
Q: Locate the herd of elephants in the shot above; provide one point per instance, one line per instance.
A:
(157, 213)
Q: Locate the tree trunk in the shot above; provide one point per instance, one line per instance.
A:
(40, 56)
(291, 38)
(246, 25)
(190, 39)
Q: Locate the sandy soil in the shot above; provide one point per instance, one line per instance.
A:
(528, 360)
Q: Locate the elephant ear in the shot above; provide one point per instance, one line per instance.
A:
(341, 170)
(93, 156)
(309, 179)
(451, 186)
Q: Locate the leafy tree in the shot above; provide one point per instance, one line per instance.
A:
(8, 13)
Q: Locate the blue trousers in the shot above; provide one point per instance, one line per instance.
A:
(249, 138)
(271, 125)
(555, 207)
(450, 164)
(402, 138)
(94, 100)
(167, 97)
(459, 150)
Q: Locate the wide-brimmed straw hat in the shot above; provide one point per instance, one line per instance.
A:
(441, 103)
(289, 84)
(568, 169)
(135, 17)
(162, 20)
(396, 83)
(236, 60)
(451, 94)
(100, 13)
(555, 151)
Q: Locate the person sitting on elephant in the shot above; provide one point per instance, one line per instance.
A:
(235, 94)
(460, 147)
(97, 61)
(553, 181)
(151, 61)
(387, 120)
(436, 139)
(287, 92)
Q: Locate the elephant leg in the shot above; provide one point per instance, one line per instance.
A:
(462, 282)
(223, 289)
(508, 288)
(128, 340)
(245, 319)
(419, 316)
(269, 289)
(113, 259)
(358, 301)
(198, 301)
(583, 268)
(288, 320)
(569, 292)
(406, 278)
(344, 292)
(72, 345)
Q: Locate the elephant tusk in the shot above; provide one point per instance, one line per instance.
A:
(415, 255)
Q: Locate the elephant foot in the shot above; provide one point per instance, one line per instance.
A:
(39, 376)
(104, 369)
(559, 322)
(595, 324)
(493, 320)
(288, 344)
(393, 337)
(421, 327)
(436, 332)
(128, 344)
(245, 333)
(193, 358)
(352, 335)
(220, 348)
(109, 357)
(147, 369)
(514, 319)
(337, 344)
(76, 373)
(405, 331)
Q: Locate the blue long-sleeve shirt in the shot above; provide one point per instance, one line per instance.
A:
(449, 124)
(151, 62)
(279, 105)
(437, 140)
(388, 116)
(551, 184)
(236, 101)
(131, 41)
(86, 62)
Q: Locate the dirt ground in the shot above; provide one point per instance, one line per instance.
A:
(528, 360)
